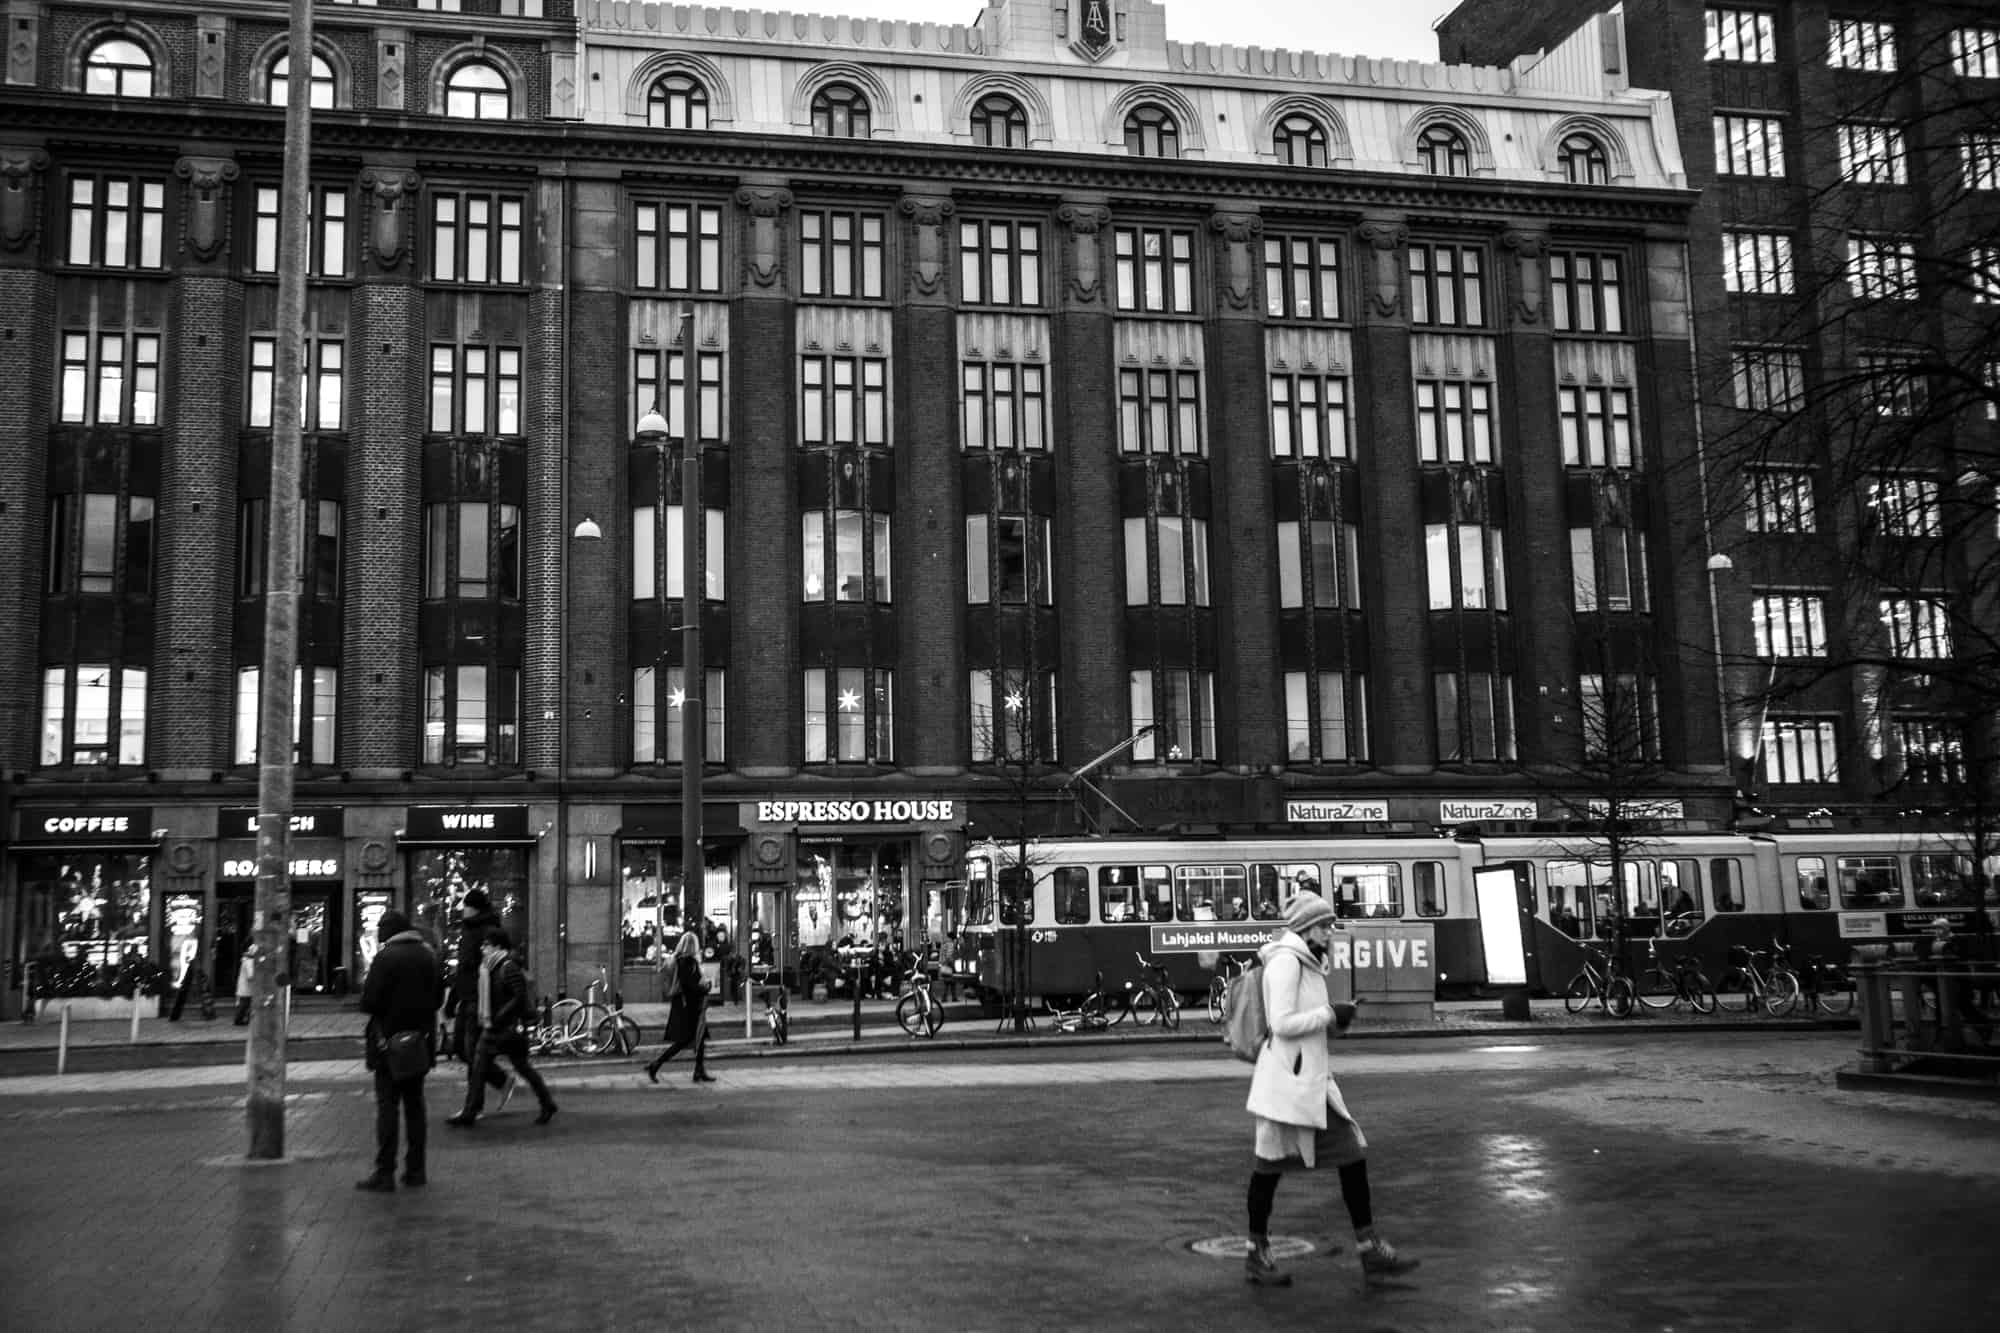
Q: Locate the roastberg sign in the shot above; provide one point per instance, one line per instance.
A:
(857, 812)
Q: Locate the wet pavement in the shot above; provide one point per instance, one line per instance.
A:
(1601, 1181)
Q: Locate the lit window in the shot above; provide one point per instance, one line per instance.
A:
(1757, 262)
(850, 715)
(1742, 35)
(1881, 270)
(1767, 379)
(1799, 750)
(93, 714)
(1975, 52)
(1467, 567)
(1781, 500)
(1749, 145)
(1447, 285)
(1454, 421)
(1789, 624)
(1872, 154)
(1861, 44)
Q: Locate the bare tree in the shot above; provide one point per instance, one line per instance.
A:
(1011, 733)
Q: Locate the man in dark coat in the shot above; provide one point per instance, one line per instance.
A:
(476, 923)
(401, 994)
(504, 1017)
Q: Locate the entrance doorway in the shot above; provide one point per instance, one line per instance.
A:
(860, 884)
(316, 961)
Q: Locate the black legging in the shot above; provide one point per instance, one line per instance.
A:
(1353, 1193)
(700, 1050)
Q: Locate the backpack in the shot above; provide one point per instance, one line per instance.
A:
(1244, 1026)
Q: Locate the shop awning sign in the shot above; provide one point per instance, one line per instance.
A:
(1335, 812)
(853, 810)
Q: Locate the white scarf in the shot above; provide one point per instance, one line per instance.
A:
(485, 993)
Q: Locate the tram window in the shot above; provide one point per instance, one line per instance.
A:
(1680, 890)
(1374, 890)
(1811, 877)
(1211, 893)
(1725, 881)
(1070, 887)
(1942, 879)
(1275, 884)
(1427, 885)
(1017, 897)
(1135, 893)
(1573, 896)
(1869, 881)
(978, 892)
(1642, 899)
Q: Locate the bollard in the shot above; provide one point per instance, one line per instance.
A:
(62, 1042)
(138, 1001)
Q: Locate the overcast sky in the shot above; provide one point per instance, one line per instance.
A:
(1398, 28)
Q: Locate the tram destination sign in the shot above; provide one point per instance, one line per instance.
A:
(1210, 936)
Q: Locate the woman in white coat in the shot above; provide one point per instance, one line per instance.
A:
(1301, 1120)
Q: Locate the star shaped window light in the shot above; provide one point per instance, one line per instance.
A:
(676, 698)
(850, 701)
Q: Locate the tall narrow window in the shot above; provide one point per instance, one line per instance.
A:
(1475, 717)
(1302, 277)
(659, 383)
(1175, 708)
(1319, 565)
(1159, 412)
(326, 231)
(1447, 285)
(1467, 567)
(1872, 154)
(1768, 379)
(1596, 426)
(472, 549)
(1013, 716)
(475, 389)
(111, 379)
(1799, 750)
(645, 556)
(1608, 569)
(1789, 624)
(117, 222)
(679, 247)
(841, 254)
(1748, 145)
(1309, 416)
(1587, 292)
(1168, 551)
(319, 547)
(1758, 262)
(1454, 421)
(315, 703)
(93, 714)
(1000, 263)
(1621, 718)
(846, 556)
(659, 715)
(850, 715)
(1744, 35)
(1154, 268)
(476, 238)
(1781, 500)
(323, 396)
(843, 401)
(472, 715)
(1008, 560)
(1326, 717)
(1862, 44)
(100, 543)
(1003, 406)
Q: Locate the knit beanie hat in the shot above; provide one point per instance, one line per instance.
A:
(1305, 910)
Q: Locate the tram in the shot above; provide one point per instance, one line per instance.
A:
(1088, 905)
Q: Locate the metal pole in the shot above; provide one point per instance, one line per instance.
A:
(264, 1106)
(694, 736)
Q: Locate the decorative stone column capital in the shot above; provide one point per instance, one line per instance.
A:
(385, 235)
(928, 215)
(1386, 238)
(1086, 266)
(1240, 233)
(763, 254)
(20, 193)
(1531, 250)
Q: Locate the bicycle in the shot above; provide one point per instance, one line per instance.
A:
(591, 1027)
(1661, 988)
(1824, 986)
(1088, 1016)
(918, 1012)
(1600, 981)
(1149, 999)
(1748, 983)
(1227, 970)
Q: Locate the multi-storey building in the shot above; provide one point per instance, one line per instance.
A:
(1299, 434)
(1843, 255)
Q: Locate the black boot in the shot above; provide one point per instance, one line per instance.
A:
(653, 1069)
(703, 1076)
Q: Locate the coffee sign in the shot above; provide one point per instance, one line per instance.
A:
(88, 824)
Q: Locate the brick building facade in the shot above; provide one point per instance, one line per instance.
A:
(1290, 426)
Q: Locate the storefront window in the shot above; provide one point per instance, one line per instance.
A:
(85, 922)
(442, 876)
(653, 905)
(369, 905)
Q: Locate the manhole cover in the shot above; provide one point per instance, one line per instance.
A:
(1235, 1247)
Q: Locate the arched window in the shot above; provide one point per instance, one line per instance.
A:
(477, 91)
(1300, 142)
(118, 68)
(1442, 152)
(1151, 132)
(322, 82)
(1583, 161)
(999, 122)
(677, 102)
(840, 112)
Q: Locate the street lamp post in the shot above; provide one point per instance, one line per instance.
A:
(653, 429)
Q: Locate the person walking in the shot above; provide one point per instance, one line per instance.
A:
(246, 979)
(687, 1011)
(504, 1004)
(1300, 1117)
(476, 922)
(401, 993)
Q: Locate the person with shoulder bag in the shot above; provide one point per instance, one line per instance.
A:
(687, 1011)
(1300, 1117)
(506, 1009)
(401, 995)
